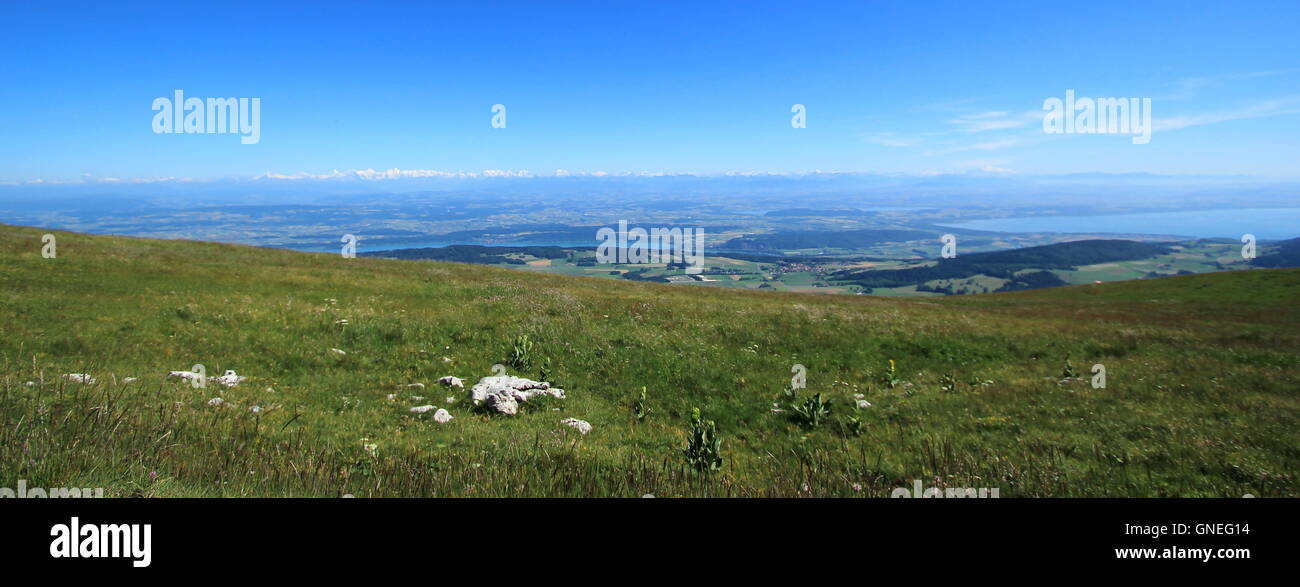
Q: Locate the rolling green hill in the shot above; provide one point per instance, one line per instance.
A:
(1201, 397)
(1009, 264)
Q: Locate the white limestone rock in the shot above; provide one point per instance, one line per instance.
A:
(580, 425)
(504, 393)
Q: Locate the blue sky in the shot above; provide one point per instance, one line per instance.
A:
(689, 87)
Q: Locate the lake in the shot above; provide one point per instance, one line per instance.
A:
(1264, 223)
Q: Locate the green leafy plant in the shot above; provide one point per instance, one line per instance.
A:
(790, 394)
(812, 411)
(642, 406)
(1068, 372)
(853, 421)
(704, 448)
(521, 355)
(890, 377)
(544, 372)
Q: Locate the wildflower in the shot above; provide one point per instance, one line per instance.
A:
(857, 487)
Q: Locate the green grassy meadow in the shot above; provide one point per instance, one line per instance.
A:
(1201, 400)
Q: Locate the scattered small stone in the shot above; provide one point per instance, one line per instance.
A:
(79, 377)
(129, 379)
(450, 381)
(421, 409)
(338, 351)
(415, 386)
(229, 378)
(216, 401)
(580, 425)
(442, 416)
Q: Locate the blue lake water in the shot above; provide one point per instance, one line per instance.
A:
(1264, 223)
(373, 246)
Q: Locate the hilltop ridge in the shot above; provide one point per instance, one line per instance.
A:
(1200, 397)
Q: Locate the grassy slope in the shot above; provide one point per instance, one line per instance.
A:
(1201, 399)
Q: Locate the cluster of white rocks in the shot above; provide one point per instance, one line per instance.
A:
(440, 416)
(228, 379)
(503, 393)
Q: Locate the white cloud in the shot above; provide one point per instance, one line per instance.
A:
(995, 120)
(1261, 110)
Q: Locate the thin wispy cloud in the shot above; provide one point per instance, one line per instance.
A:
(990, 121)
(1269, 108)
(1190, 87)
